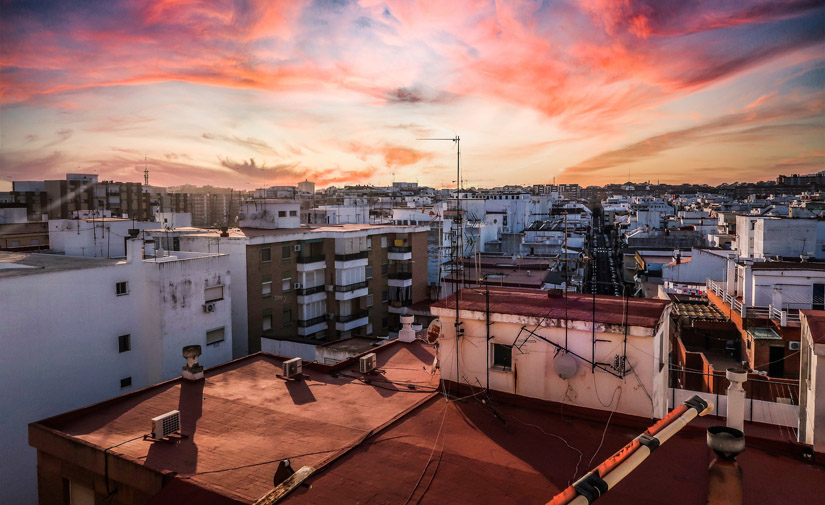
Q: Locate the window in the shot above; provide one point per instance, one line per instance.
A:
(34, 241)
(125, 382)
(266, 254)
(286, 252)
(369, 244)
(213, 294)
(124, 343)
(293, 213)
(286, 316)
(122, 288)
(384, 269)
(79, 494)
(368, 271)
(385, 296)
(286, 282)
(502, 356)
(266, 285)
(15, 243)
(383, 242)
(369, 300)
(214, 336)
(267, 319)
(384, 323)
(281, 213)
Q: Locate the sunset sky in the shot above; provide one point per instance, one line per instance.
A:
(242, 93)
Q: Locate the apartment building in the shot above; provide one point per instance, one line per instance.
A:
(80, 330)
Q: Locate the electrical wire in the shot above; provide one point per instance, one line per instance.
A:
(427, 465)
(581, 455)
(589, 463)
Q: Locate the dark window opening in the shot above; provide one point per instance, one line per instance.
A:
(502, 356)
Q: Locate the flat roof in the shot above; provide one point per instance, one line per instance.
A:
(579, 307)
(816, 323)
(243, 418)
(13, 264)
(466, 453)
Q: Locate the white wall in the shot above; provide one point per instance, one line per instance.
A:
(60, 345)
(100, 239)
(533, 373)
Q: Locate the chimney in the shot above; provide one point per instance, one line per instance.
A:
(134, 250)
(406, 334)
(192, 370)
(736, 398)
(724, 473)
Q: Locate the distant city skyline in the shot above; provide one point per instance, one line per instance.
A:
(261, 93)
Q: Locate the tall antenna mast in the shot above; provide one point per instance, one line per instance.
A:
(458, 256)
(145, 171)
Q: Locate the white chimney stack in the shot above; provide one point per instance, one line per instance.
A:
(134, 250)
(736, 398)
(406, 334)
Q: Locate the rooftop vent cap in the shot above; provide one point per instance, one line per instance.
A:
(292, 367)
(192, 370)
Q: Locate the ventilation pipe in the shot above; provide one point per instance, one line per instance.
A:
(736, 398)
(406, 334)
(724, 473)
(192, 370)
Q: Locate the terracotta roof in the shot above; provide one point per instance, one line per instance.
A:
(579, 307)
(243, 418)
(816, 323)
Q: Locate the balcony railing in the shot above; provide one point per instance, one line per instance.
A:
(311, 291)
(312, 259)
(396, 249)
(352, 256)
(353, 316)
(401, 276)
(305, 323)
(782, 316)
(400, 303)
(350, 287)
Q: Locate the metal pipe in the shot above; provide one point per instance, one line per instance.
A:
(618, 466)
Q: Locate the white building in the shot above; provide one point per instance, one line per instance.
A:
(688, 274)
(766, 237)
(520, 356)
(811, 376)
(94, 238)
(80, 330)
(270, 213)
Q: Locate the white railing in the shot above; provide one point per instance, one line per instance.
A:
(759, 411)
(783, 317)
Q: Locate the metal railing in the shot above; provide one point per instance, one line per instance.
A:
(311, 290)
(350, 287)
(311, 259)
(400, 276)
(305, 323)
(396, 249)
(400, 303)
(352, 317)
(352, 256)
(782, 316)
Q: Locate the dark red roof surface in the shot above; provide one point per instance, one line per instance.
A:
(579, 307)
(477, 459)
(816, 322)
(243, 418)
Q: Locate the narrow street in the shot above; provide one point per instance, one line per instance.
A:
(605, 275)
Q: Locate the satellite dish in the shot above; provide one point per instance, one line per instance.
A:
(433, 331)
(565, 365)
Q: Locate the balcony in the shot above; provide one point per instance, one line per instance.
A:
(311, 326)
(351, 321)
(399, 253)
(399, 306)
(353, 260)
(400, 279)
(783, 316)
(313, 262)
(312, 294)
(350, 291)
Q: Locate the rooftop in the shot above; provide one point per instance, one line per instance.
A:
(243, 418)
(576, 306)
(816, 322)
(13, 264)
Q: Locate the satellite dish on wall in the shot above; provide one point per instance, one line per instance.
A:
(433, 331)
(565, 365)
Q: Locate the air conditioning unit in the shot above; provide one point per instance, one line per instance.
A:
(209, 307)
(166, 424)
(330, 316)
(794, 345)
(297, 285)
(292, 367)
(296, 248)
(367, 363)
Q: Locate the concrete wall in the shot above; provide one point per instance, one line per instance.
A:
(101, 239)
(533, 373)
